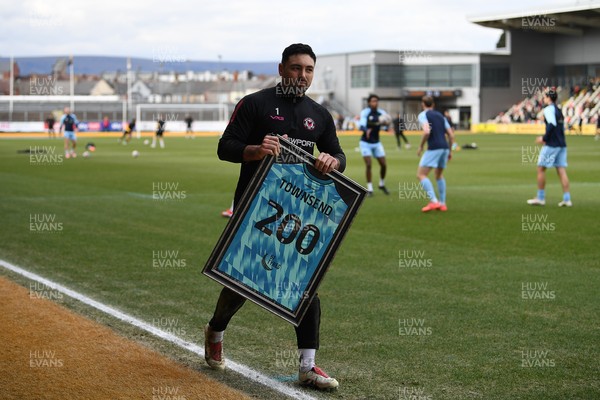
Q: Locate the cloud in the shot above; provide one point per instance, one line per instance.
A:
(241, 30)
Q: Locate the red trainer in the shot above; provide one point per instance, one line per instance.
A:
(431, 206)
(443, 207)
(318, 379)
(227, 213)
(213, 352)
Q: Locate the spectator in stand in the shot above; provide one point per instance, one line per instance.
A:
(579, 107)
(502, 118)
(105, 124)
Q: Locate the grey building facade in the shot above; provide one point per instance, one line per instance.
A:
(540, 48)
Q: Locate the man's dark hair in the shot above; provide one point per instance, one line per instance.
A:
(372, 96)
(427, 100)
(297, 48)
(551, 92)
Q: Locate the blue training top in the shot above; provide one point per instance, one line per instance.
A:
(555, 127)
(437, 132)
(69, 121)
(369, 119)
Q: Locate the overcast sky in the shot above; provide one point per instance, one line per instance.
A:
(250, 30)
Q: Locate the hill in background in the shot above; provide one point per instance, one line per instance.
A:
(95, 65)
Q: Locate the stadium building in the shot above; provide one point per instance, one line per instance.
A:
(536, 49)
(539, 48)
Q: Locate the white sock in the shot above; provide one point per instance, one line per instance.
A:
(307, 359)
(162, 144)
(369, 186)
(381, 183)
(215, 337)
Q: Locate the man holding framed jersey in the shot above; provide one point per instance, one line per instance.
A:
(250, 137)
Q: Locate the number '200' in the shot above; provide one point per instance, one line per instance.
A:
(281, 228)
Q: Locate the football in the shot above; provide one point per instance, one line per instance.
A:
(135, 153)
(385, 119)
(86, 154)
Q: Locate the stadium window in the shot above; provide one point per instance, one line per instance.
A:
(388, 76)
(438, 75)
(461, 75)
(360, 76)
(495, 75)
(415, 75)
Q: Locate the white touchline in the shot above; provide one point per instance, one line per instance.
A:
(241, 369)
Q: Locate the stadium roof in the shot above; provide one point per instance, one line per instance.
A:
(566, 20)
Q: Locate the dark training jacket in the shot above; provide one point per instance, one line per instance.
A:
(277, 111)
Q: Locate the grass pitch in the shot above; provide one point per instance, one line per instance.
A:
(492, 300)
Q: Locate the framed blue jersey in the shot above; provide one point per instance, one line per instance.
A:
(284, 233)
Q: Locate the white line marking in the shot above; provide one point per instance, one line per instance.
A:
(241, 369)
